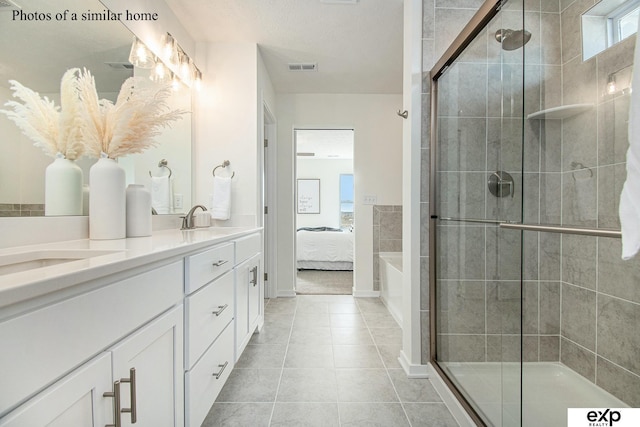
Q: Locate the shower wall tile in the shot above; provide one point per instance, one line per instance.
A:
(461, 252)
(387, 235)
(579, 359)
(549, 308)
(462, 348)
(550, 86)
(530, 348)
(426, 121)
(565, 3)
(425, 220)
(616, 277)
(579, 198)
(462, 194)
(551, 6)
(503, 307)
(618, 337)
(579, 81)
(533, 48)
(425, 169)
(391, 245)
(461, 142)
(530, 260)
(610, 182)
(459, 4)
(571, 42)
(428, 61)
(503, 348)
(530, 306)
(613, 135)
(448, 24)
(465, 90)
(579, 316)
(424, 278)
(504, 144)
(550, 259)
(390, 226)
(580, 144)
(506, 80)
(551, 49)
(579, 260)
(428, 14)
(550, 140)
(531, 207)
(424, 335)
(462, 307)
(619, 382)
(550, 193)
(549, 348)
(503, 254)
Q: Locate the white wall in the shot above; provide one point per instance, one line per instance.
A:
(377, 168)
(328, 171)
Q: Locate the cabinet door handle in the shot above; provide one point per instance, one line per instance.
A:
(117, 421)
(254, 273)
(132, 388)
(221, 309)
(222, 368)
(220, 262)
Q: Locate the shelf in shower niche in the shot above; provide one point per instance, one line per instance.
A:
(562, 112)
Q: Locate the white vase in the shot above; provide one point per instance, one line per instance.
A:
(107, 204)
(138, 211)
(63, 188)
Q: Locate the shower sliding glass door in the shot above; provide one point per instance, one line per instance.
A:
(532, 312)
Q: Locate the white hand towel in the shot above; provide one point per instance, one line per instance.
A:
(161, 194)
(221, 201)
(630, 197)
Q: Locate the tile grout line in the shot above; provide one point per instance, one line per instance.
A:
(275, 398)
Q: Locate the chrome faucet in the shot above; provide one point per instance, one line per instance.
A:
(187, 220)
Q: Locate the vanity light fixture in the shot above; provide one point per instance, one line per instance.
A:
(197, 77)
(140, 55)
(616, 81)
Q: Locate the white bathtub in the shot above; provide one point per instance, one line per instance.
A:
(391, 283)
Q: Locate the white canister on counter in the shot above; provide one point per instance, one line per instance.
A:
(138, 211)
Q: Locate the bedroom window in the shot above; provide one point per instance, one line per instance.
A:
(346, 201)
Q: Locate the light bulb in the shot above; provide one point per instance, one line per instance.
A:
(140, 55)
(175, 83)
(197, 79)
(611, 84)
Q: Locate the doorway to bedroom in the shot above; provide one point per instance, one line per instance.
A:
(324, 219)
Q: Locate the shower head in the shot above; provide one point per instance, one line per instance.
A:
(512, 39)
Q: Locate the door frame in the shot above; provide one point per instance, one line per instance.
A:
(268, 198)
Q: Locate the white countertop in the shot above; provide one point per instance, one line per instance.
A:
(131, 253)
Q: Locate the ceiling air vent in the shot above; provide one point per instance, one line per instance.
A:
(302, 66)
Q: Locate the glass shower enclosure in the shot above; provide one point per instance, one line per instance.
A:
(532, 309)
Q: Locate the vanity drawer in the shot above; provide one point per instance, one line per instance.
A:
(206, 266)
(246, 247)
(202, 383)
(203, 324)
(66, 334)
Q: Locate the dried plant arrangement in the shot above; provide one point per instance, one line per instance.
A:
(128, 126)
(54, 129)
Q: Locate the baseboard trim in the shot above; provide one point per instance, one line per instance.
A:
(412, 370)
(366, 294)
(287, 294)
(458, 412)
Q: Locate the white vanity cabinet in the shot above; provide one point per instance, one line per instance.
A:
(249, 290)
(111, 326)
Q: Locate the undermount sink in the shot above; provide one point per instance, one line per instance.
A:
(15, 263)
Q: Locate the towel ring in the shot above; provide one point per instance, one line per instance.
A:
(223, 165)
(163, 164)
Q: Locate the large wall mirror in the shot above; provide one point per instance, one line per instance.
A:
(36, 53)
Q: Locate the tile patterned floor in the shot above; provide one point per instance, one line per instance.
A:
(326, 360)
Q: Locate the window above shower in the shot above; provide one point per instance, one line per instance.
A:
(607, 23)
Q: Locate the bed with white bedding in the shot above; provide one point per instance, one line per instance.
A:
(324, 250)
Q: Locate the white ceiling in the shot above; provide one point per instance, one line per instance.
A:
(358, 47)
(325, 143)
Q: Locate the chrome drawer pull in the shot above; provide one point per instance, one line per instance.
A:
(222, 308)
(254, 274)
(220, 262)
(117, 421)
(222, 368)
